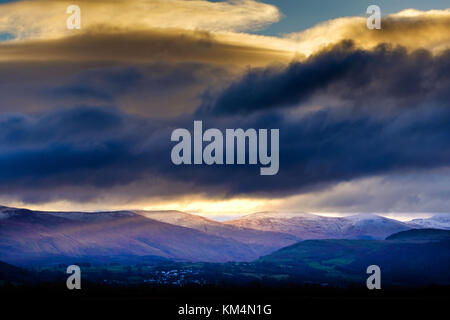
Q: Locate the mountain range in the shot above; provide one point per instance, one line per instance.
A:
(310, 226)
(29, 237)
(41, 237)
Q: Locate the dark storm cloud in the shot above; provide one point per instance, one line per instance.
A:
(384, 77)
(401, 126)
(325, 147)
(83, 145)
(117, 150)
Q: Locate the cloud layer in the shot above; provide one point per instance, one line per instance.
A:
(87, 116)
(363, 135)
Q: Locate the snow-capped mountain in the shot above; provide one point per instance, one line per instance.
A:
(302, 225)
(371, 226)
(435, 222)
(269, 240)
(309, 226)
(28, 237)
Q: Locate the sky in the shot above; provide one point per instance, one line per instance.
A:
(86, 115)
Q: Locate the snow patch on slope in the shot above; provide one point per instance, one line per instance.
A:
(435, 222)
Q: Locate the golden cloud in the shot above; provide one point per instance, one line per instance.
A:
(169, 45)
(43, 19)
(141, 31)
(410, 28)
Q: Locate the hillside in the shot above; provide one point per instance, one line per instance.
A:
(268, 241)
(10, 273)
(421, 234)
(28, 237)
(346, 260)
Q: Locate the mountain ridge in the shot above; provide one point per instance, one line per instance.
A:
(28, 236)
(309, 226)
(421, 235)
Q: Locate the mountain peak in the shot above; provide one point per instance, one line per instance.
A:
(175, 217)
